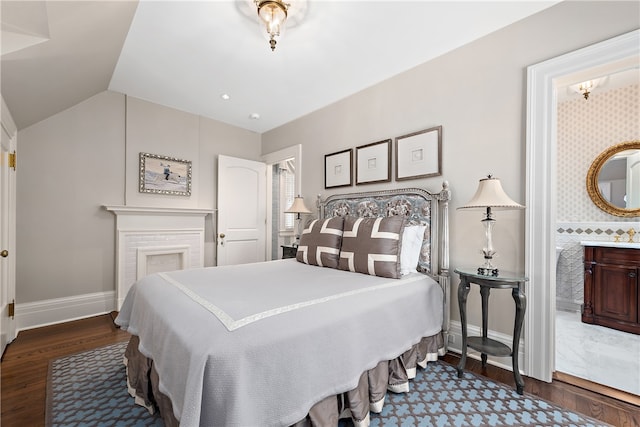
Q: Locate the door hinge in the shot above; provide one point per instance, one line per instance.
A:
(12, 308)
(12, 160)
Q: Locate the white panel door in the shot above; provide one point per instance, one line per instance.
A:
(242, 211)
(633, 181)
(7, 241)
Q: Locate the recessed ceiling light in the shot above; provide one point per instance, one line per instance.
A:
(254, 116)
(225, 96)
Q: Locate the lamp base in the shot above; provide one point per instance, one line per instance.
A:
(482, 271)
(487, 269)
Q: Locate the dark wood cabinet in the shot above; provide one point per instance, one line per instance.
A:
(611, 296)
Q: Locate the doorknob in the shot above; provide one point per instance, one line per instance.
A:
(222, 235)
(4, 253)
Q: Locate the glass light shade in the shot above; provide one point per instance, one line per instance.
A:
(585, 88)
(273, 14)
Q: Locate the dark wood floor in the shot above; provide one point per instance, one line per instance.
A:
(25, 365)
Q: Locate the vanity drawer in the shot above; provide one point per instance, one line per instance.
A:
(609, 255)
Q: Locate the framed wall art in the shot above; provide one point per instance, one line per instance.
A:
(337, 169)
(373, 162)
(419, 154)
(164, 175)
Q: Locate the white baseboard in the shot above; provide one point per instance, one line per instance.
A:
(455, 344)
(49, 312)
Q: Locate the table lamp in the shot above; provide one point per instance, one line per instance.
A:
(297, 207)
(490, 195)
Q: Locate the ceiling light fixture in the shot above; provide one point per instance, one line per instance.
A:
(273, 14)
(585, 88)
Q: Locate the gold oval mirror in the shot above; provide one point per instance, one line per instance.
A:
(613, 180)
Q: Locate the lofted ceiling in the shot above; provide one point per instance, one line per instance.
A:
(186, 54)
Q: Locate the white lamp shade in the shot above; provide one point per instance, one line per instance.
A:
(491, 195)
(298, 206)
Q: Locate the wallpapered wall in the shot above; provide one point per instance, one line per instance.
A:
(585, 129)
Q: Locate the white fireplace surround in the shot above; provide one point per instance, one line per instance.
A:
(152, 240)
(155, 260)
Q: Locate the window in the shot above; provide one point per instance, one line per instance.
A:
(287, 194)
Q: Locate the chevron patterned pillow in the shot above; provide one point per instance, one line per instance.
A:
(320, 243)
(372, 245)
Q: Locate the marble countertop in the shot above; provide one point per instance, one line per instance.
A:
(632, 245)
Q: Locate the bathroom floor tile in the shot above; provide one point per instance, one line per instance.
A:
(602, 355)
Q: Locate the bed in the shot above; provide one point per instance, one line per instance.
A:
(301, 341)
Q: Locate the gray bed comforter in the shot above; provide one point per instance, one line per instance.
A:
(260, 344)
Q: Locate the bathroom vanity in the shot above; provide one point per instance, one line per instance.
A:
(611, 285)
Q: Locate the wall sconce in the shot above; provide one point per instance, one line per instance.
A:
(490, 195)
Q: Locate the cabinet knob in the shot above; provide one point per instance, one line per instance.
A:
(4, 253)
(632, 275)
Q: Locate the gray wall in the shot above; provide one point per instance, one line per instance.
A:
(478, 94)
(70, 165)
(73, 163)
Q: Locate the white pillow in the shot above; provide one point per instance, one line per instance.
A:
(411, 246)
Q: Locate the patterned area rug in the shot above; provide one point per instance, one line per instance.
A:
(89, 389)
(439, 398)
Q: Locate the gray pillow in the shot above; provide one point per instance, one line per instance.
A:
(372, 245)
(320, 243)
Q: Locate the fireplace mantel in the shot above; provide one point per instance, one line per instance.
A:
(152, 239)
(138, 210)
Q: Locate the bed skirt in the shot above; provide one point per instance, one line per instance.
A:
(369, 396)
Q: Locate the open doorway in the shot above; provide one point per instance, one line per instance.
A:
(595, 111)
(540, 258)
(283, 185)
